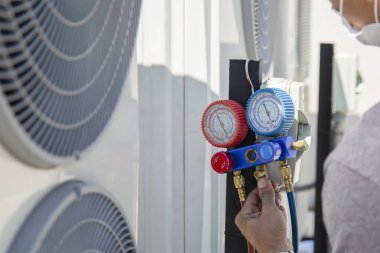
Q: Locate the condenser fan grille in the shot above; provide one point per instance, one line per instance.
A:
(261, 29)
(62, 67)
(74, 217)
(274, 29)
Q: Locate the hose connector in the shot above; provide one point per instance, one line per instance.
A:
(239, 183)
(300, 145)
(286, 176)
(261, 171)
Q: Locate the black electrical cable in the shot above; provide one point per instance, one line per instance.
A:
(305, 187)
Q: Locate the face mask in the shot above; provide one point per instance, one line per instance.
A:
(370, 34)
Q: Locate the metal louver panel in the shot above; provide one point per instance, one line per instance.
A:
(304, 10)
(278, 33)
(74, 217)
(62, 68)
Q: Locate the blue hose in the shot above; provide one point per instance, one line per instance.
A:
(293, 217)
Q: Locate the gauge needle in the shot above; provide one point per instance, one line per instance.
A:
(268, 114)
(221, 123)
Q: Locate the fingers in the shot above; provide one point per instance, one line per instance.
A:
(282, 209)
(261, 197)
(277, 198)
(251, 204)
(277, 202)
(274, 185)
(266, 192)
(240, 221)
(249, 211)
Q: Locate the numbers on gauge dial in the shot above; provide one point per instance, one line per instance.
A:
(266, 112)
(220, 124)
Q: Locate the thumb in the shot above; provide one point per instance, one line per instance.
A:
(266, 192)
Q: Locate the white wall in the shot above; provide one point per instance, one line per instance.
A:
(175, 54)
(183, 49)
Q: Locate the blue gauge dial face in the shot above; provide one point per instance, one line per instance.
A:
(266, 112)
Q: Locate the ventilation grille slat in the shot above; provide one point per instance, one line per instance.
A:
(67, 62)
(74, 217)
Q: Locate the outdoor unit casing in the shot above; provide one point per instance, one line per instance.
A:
(63, 67)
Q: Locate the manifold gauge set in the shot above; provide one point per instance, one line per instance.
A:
(275, 114)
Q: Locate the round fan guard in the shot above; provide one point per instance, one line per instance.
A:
(63, 65)
(266, 36)
(74, 217)
(260, 20)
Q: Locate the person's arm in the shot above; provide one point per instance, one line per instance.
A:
(358, 12)
(262, 219)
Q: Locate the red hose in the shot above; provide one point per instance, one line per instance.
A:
(250, 248)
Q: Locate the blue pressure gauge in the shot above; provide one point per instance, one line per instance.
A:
(270, 112)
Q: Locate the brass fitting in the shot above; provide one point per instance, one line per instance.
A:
(286, 176)
(300, 145)
(261, 171)
(239, 183)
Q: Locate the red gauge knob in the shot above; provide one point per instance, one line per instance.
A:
(224, 124)
(221, 162)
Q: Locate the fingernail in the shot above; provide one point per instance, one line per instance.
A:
(262, 183)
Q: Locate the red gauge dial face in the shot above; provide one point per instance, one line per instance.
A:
(224, 123)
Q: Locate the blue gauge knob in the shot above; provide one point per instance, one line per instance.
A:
(269, 151)
(270, 112)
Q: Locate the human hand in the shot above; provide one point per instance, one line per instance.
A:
(358, 12)
(262, 219)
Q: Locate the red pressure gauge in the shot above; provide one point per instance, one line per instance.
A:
(224, 124)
